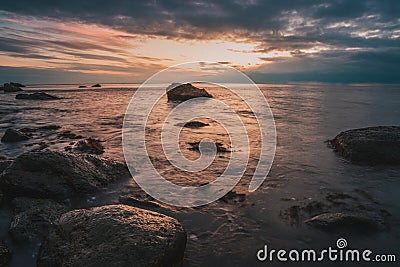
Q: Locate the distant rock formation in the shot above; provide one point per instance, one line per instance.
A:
(12, 136)
(96, 85)
(36, 96)
(10, 87)
(114, 235)
(372, 145)
(82, 86)
(183, 92)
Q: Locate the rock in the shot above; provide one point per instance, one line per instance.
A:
(7, 87)
(195, 124)
(33, 217)
(58, 175)
(372, 145)
(36, 96)
(208, 146)
(115, 235)
(183, 92)
(5, 254)
(96, 85)
(11, 136)
(131, 201)
(88, 145)
(17, 84)
(82, 86)
(349, 221)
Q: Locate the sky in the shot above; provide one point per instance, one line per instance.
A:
(127, 41)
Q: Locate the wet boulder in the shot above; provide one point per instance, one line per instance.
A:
(348, 221)
(58, 175)
(183, 92)
(372, 145)
(33, 217)
(12, 136)
(115, 235)
(36, 96)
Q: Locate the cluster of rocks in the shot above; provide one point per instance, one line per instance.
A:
(36, 96)
(11, 87)
(88, 145)
(354, 212)
(40, 187)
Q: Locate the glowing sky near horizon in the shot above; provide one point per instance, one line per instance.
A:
(129, 43)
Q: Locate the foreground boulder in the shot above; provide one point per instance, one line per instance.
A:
(115, 235)
(58, 175)
(36, 96)
(32, 217)
(5, 254)
(183, 92)
(12, 136)
(372, 145)
(10, 87)
(349, 222)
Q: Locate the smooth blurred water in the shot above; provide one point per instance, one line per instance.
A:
(230, 234)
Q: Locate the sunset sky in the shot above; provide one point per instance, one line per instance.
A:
(127, 41)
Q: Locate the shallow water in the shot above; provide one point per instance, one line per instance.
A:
(229, 233)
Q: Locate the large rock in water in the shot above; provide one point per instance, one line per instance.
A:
(115, 235)
(183, 92)
(57, 175)
(36, 96)
(12, 136)
(372, 145)
(32, 217)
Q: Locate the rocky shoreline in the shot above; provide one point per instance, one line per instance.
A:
(40, 186)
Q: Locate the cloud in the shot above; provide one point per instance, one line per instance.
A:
(312, 36)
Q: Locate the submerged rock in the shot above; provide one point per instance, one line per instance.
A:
(183, 92)
(96, 85)
(58, 175)
(195, 124)
(88, 145)
(70, 135)
(115, 235)
(12, 136)
(372, 145)
(349, 221)
(32, 217)
(10, 87)
(5, 254)
(36, 96)
(208, 146)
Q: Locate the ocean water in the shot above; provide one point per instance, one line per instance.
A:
(229, 232)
